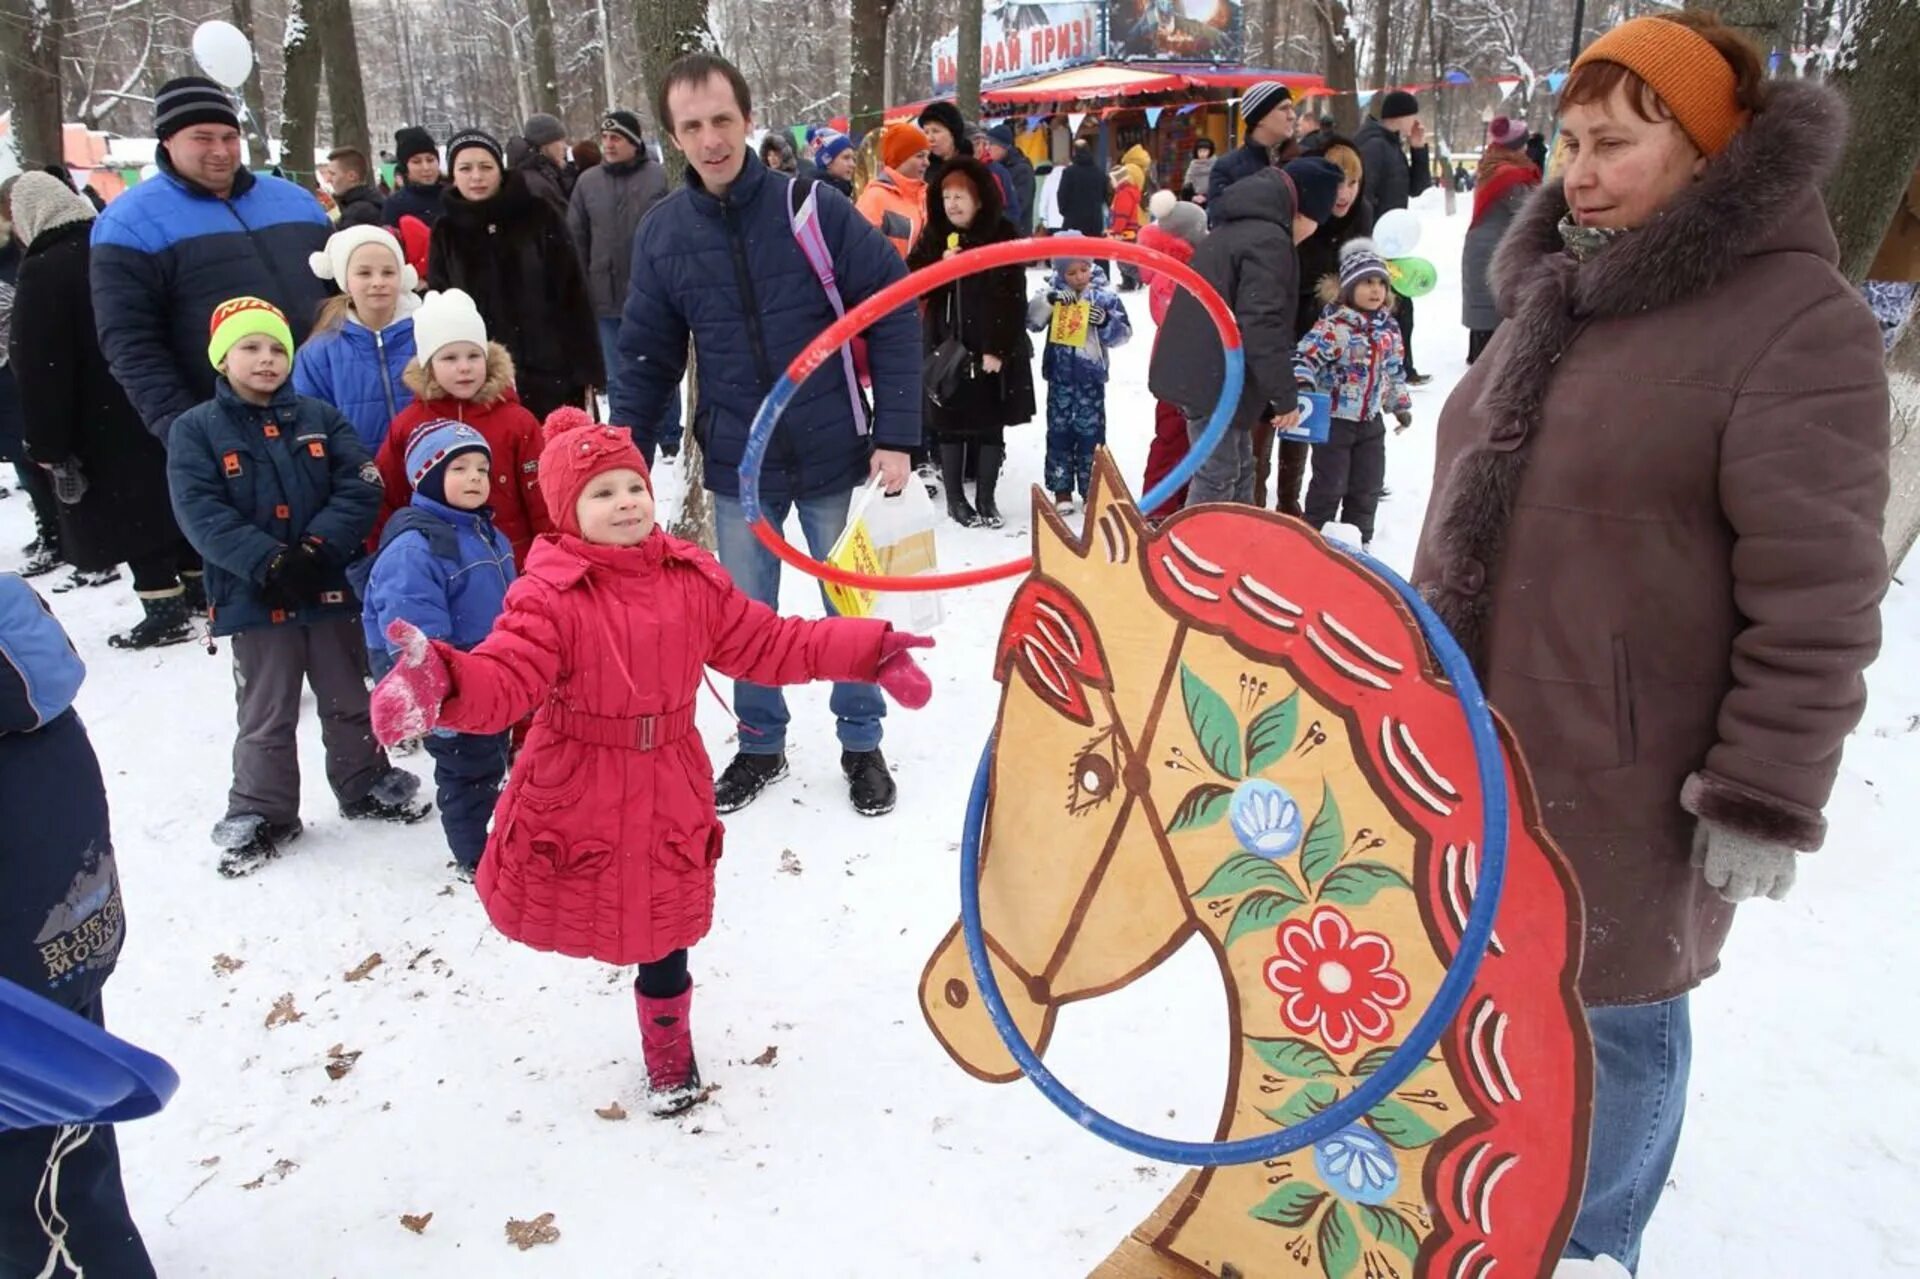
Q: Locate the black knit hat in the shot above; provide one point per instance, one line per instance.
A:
(624, 123)
(188, 101)
(1397, 104)
(947, 116)
(1316, 186)
(411, 141)
(466, 138)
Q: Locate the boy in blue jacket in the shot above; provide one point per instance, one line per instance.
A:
(1084, 320)
(277, 494)
(61, 930)
(445, 568)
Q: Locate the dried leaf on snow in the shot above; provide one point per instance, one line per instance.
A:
(525, 1234)
(283, 1012)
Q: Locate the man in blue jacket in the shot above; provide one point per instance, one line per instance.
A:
(720, 262)
(173, 248)
(1267, 112)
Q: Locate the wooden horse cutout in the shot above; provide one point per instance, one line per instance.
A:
(1226, 728)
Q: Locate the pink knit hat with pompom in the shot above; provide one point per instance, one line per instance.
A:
(577, 449)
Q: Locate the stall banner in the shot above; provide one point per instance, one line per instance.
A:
(1187, 30)
(1020, 40)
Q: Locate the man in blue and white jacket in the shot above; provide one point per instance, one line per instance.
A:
(176, 246)
(720, 262)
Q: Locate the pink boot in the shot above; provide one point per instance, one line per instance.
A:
(673, 1077)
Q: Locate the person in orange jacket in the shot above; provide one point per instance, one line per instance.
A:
(1123, 218)
(895, 202)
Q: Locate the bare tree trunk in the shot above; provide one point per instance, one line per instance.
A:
(254, 91)
(546, 67)
(1382, 36)
(607, 77)
(346, 87)
(667, 29)
(866, 82)
(1269, 52)
(1903, 380)
(1876, 69)
(1771, 24)
(31, 38)
(300, 98)
(966, 89)
(1338, 63)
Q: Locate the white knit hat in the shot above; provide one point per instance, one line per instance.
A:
(446, 318)
(330, 263)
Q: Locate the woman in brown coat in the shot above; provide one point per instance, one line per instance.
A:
(1657, 532)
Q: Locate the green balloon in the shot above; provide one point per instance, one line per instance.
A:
(1412, 277)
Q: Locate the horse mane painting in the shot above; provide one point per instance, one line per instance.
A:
(1224, 728)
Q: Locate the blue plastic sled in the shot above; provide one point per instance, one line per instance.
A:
(1316, 419)
(57, 1067)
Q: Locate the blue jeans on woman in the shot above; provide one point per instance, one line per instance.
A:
(762, 711)
(1641, 1055)
(666, 432)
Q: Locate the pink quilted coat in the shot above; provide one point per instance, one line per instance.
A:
(605, 839)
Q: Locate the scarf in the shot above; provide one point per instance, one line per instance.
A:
(1584, 243)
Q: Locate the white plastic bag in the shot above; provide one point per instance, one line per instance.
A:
(891, 536)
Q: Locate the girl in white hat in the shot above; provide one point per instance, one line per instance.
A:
(362, 341)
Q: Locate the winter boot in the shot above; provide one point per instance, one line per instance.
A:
(991, 458)
(195, 585)
(952, 467)
(83, 578)
(673, 1076)
(869, 784)
(743, 780)
(166, 623)
(248, 841)
(392, 799)
(43, 553)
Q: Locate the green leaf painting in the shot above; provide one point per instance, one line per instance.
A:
(1401, 1125)
(1391, 1229)
(1270, 736)
(1307, 1102)
(1214, 725)
(1294, 1058)
(1358, 883)
(1292, 1205)
(1371, 1062)
(1244, 871)
(1326, 838)
(1339, 1243)
(1265, 909)
(1204, 805)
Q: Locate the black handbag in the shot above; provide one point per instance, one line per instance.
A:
(949, 366)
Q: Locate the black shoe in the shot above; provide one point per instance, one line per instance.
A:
(82, 578)
(961, 511)
(992, 456)
(1419, 379)
(742, 781)
(392, 799)
(869, 784)
(166, 623)
(462, 872)
(249, 841)
(43, 556)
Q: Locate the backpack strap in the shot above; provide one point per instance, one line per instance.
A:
(803, 215)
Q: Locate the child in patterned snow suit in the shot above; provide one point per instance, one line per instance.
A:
(1355, 353)
(1084, 319)
(445, 568)
(605, 840)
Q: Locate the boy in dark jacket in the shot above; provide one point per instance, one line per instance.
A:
(277, 494)
(61, 929)
(445, 568)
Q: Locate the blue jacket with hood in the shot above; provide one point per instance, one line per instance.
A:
(360, 372)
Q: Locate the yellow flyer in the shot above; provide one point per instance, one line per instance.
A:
(1070, 324)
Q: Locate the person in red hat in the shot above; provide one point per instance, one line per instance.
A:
(605, 839)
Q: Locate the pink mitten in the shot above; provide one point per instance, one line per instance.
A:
(407, 702)
(899, 674)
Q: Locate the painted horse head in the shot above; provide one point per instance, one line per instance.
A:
(1225, 729)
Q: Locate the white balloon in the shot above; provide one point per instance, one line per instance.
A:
(223, 52)
(1397, 233)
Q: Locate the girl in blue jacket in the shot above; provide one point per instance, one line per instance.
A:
(362, 340)
(445, 568)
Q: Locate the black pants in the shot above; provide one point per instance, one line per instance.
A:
(77, 1205)
(467, 769)
(46, 508)
(1348, 472)
(1477, 340)
(159, 573)
(664, 978)
(1403, 315)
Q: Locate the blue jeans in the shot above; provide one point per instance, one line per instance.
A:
(857, 708)
(1641, 1054)
(667, 430)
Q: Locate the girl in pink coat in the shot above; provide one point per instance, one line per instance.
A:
(605, 839)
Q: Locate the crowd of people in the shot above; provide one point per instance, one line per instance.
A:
(1663, 554)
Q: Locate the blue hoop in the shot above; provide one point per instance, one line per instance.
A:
(1454, 987)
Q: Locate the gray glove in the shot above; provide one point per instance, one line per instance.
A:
(1741, 866)
(69, 482)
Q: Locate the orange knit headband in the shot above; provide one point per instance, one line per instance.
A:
(1684, 68)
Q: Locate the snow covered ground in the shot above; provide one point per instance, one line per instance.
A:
(858, 1149)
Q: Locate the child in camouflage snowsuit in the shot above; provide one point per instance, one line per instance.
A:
(1084, 319)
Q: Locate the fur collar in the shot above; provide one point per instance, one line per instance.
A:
(1743, 203)
(498, 386)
